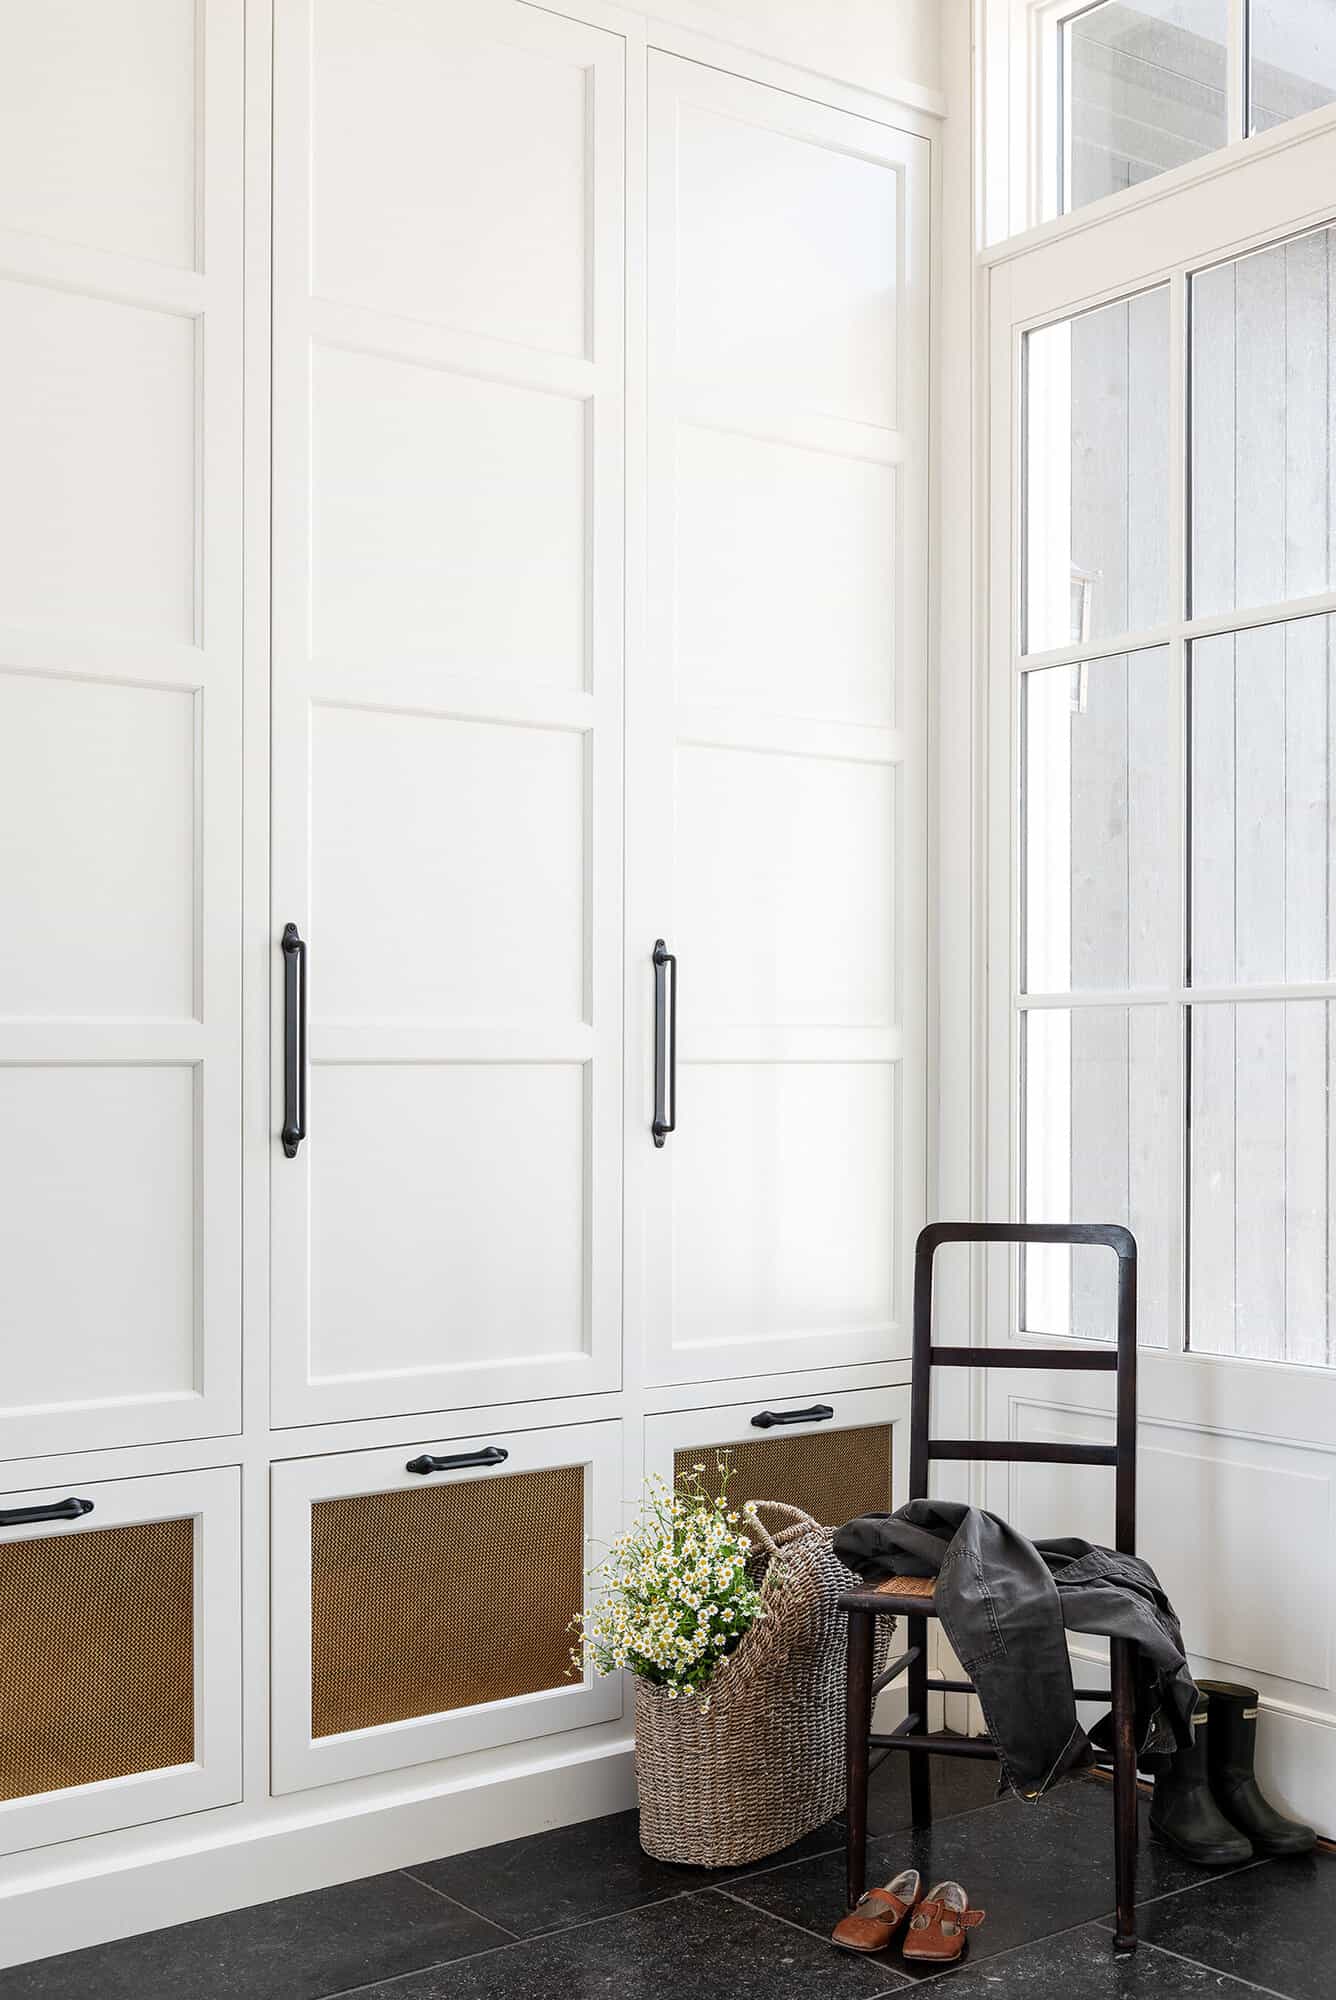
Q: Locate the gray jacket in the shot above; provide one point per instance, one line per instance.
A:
(1006, 1605)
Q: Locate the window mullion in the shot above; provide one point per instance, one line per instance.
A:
(1177, 723)
(1236, 110)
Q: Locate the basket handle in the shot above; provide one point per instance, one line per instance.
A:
(799, 1524)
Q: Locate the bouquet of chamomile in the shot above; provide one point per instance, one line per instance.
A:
(675, 1593)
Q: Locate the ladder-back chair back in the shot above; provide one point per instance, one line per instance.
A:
(911, 1597)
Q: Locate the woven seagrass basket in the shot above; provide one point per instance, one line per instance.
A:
(763, 1764)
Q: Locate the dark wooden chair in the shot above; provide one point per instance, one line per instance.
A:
(911, 1597)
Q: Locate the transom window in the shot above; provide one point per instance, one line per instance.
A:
(1145, 85)
(1176, 660)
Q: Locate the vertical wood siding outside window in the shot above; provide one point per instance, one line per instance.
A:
(1145, 85)
(1178, 915)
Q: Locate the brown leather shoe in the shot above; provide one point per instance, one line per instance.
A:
(873, 1922)
(938, 1926)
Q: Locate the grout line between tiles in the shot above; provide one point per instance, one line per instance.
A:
(445, 1897)
(512, 1943)
(534, 1937)
(1143, 1944)
(1206, 1882)
(802, 1930)
(1216, 1971)
(416, 1972)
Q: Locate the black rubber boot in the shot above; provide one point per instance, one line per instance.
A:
(1184, 1813)
(1231, 1744)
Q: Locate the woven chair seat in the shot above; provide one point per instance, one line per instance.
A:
(905, 1596)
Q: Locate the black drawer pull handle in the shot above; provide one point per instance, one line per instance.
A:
(491, 1454)
(765, 1420)
(294, 1040)
(665, 1042)
(55, 1510)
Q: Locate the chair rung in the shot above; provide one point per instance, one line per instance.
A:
(1023, 1454)
(940, 1746)
(951, 1687)
(1093, 1694)
(887, 1741)
(894, 1668)
(1023, 1357)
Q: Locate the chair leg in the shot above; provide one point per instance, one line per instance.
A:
(920, 1761)
(1121, 1668)
(858, 1725)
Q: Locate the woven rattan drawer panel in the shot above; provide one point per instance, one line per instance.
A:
(443, 1598)
(97, 1636)
(832, 1475)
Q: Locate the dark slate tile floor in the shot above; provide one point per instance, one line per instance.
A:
(581, 1912)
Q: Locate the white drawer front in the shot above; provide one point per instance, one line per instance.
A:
(120, 1615)
(833, 1454)
(422, 1610)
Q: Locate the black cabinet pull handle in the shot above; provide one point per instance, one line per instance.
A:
(492, 1454)
(55, 1510)
(294, 1040)
(665, 1042)
(765, 1420)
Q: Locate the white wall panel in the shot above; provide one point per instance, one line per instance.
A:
(789, 261)
(812, 1153)
(100, 124)
(108, 772)
(430, 492)
(101, 527)
(787, 876)
(424, 828)
(1258, 1507)
(479, 1240)
(478, 123)
(786, 576)
(97, 1235)
(121, 183)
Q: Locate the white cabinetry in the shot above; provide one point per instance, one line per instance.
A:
(120, 714)
(120, 1604)
(576, 393)
(833, 1452)
(423, 1597)
(448, 446)
(776, 739)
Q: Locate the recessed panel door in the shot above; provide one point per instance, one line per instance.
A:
(120, 712)
(447, 706)
(777, 730)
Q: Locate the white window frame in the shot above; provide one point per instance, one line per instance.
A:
(1068, 271)
(1020, 114)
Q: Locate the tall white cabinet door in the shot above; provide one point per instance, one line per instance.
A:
(448, 397)
(120, 706)
(777, 734)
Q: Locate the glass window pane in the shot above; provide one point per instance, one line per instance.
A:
(1099, 1122)
(1292, 59)
(1260, 1181)
(1144, 89)
(1263, 386)
(1097, 793)
(1264, 805)
(1097, 473)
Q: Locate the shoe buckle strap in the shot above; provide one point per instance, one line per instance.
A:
(876, 1901)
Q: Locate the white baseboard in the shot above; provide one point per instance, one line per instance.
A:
(195, 1871)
